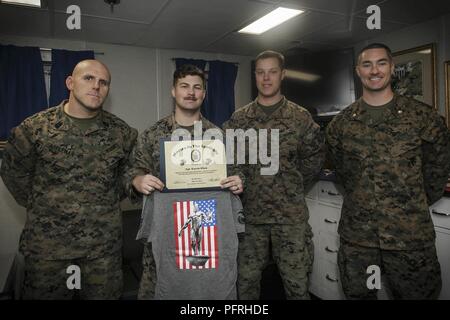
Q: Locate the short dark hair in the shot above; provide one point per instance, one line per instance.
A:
(271, 54)
(188, 70)
(376, 46)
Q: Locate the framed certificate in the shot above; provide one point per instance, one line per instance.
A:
(192, 165)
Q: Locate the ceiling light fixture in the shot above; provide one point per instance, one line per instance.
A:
(302, 76)
(28, 3)
(271, 20)
(112, 3)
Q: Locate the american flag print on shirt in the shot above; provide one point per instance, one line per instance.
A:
(196, 234)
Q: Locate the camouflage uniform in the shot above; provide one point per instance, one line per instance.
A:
(71, 184)
(399, 267)
(101, 278)
(391, 171)
(145, 160)
(275, 209)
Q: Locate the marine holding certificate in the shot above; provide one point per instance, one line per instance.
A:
(190, 164)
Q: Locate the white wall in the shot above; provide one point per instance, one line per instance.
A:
(433, 31)
(140, 95)
(12, 220)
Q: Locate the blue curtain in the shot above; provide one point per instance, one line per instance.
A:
(22, 86)
(198, 63)
(63, 62)
(219, 104)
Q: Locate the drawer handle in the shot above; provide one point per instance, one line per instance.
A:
(330, 250)
(441, 213)
(331, 193)
(331, 279)
(330, 221)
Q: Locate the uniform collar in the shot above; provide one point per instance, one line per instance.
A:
(281, 113)
(64, 124)
(394, 111)
(173, 125)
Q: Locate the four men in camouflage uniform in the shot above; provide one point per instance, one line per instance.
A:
(275, 210)
(65, 165)
(392, 156)
(188, 92)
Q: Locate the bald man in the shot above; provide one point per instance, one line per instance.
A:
(65, 166)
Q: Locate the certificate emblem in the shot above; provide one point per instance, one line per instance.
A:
(195, 155)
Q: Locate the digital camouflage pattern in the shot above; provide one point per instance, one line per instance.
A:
(276, 214)
(147, 284)
(391, 172)
(409, 274)
(279, 198)
(292, 251)
(100, 278)
(70, 182)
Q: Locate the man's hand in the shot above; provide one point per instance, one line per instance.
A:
(234, 183)
(147, 184)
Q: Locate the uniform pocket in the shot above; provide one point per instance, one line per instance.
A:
(405, 148)
(355, 150)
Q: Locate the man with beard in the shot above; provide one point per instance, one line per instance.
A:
(392, 156)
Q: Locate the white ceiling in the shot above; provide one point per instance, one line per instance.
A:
(211, 25)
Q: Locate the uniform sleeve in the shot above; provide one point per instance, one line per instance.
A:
(312, 152)
(140, 163)
(333, 146)
(18, 163)
(436, 156)
(130, 141)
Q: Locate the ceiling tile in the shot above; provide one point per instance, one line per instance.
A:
(95, 30)
(137, 10)
(28, 22)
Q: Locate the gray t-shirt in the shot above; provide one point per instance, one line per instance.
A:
(194, 243)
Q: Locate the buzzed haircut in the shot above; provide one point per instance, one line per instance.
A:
(271, 54)
(188, 70)
(79, 64)
(376, 46)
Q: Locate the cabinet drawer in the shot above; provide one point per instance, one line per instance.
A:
(440, 213)
(329, 218)
(315, 279)
(332, 288)
(327, 192)
(328, 246)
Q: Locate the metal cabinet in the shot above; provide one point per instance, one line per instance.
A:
(324, 203)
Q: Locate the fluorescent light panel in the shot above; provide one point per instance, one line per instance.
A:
(303, 76)
(271, 20)
(28, 3)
